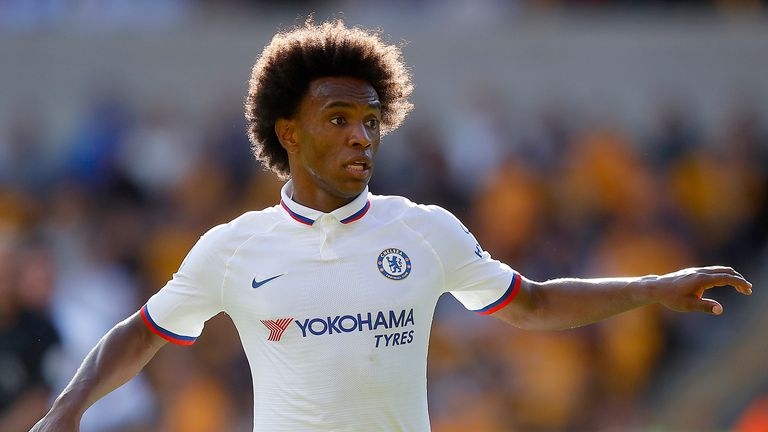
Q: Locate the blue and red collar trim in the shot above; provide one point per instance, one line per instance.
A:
(347, 214)
(296, 216)
(307, 221)
(359, 214)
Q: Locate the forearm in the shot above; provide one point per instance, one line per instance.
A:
(566, 303)
(118, 357)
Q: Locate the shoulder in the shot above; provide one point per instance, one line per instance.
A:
(425, 218)
(227, 237)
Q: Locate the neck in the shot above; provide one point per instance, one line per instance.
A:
(311, 190)
(320, 200)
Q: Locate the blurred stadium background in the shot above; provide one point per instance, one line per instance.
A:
(583, 138)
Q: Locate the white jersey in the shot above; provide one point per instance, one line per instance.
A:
(333, 309)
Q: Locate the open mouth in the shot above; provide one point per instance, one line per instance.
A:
(358, 168)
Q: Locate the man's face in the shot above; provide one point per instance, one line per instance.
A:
(336, 136)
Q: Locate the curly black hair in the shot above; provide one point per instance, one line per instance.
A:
(282, 75)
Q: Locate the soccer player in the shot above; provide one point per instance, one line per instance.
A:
(332, 291)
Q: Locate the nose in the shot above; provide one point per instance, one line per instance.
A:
(360, 136)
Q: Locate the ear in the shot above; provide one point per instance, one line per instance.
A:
(285, 129)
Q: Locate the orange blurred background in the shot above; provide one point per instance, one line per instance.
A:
(575, 138)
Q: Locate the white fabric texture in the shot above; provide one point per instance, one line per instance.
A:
(333, 310)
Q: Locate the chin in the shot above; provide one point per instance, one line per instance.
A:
(351, 192)
(351, 188)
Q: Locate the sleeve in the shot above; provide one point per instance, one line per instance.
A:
(179, 310)
(481, 283)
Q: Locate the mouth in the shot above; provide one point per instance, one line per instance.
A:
(359, 167)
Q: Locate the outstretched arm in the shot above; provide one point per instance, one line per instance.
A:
(118, 356)
(565, 303)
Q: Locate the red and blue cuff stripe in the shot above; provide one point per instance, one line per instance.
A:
(514, 286)
(163, 333)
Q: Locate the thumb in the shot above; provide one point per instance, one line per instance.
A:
(706, 305)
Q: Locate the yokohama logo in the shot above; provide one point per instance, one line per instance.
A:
(276, 328)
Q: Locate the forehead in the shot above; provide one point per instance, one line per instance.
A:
(326, 90)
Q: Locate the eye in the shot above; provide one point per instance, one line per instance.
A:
(372, 123)
(338, 120)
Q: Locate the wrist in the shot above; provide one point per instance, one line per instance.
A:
(67, 405)
(644, 290)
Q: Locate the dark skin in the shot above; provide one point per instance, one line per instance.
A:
(319, 147)
(566, 303)
(118, 357)
(331, 143)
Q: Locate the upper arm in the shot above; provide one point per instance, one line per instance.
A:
(526, 309)
(180, 309)
(136, 325)
(481, 283)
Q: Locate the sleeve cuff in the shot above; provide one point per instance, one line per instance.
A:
(504, 300)
(163, 333)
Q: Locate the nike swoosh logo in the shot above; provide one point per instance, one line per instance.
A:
(257, 284)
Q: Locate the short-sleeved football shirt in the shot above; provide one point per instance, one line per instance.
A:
(333, 309)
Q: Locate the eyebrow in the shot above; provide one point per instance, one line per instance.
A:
(343, 104)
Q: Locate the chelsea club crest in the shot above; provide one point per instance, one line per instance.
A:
(394, 264)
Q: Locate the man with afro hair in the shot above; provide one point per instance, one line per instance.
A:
(333, 290)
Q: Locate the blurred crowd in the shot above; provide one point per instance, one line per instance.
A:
(96, 217)
(589, 200)
(89, 232)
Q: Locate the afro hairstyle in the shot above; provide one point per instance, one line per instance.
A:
(294, 58)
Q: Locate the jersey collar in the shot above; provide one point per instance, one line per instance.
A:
(346, 214)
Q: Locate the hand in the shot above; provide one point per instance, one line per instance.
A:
(682, 290)
(53, 422)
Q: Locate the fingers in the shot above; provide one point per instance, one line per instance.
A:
(710, 280)
(704, 305)
(718, 270)
(691, 283)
